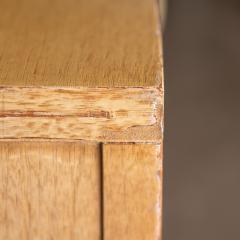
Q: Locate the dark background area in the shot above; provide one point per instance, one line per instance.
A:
(202, 117)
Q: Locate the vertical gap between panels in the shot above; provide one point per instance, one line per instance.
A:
(101, 193)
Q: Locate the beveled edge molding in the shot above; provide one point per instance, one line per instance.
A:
(93, 114)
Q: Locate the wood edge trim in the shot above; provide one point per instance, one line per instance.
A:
(72, 103)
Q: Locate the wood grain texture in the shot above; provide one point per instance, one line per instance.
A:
(98, 114)
(98, 43)
(49, 191)
(132, 191)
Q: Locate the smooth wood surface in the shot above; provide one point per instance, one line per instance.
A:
(98, 43)
(97, 114)
(132, 191)
(49, 191)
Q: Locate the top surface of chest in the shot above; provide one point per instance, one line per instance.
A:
(74, 43)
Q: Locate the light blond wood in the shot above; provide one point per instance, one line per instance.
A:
(98, 114)
(49, 191)
(80, 70)
(132, 191)
(80, 43)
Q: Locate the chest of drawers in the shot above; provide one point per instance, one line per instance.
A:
(81, 120)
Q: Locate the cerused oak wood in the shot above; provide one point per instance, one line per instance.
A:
(132, 191)
(49, 191)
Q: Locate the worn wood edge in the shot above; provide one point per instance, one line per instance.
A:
(89, 114)
(60, 140)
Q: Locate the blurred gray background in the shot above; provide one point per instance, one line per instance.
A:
(202, 118)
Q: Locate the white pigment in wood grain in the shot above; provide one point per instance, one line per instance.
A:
(98, 114)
